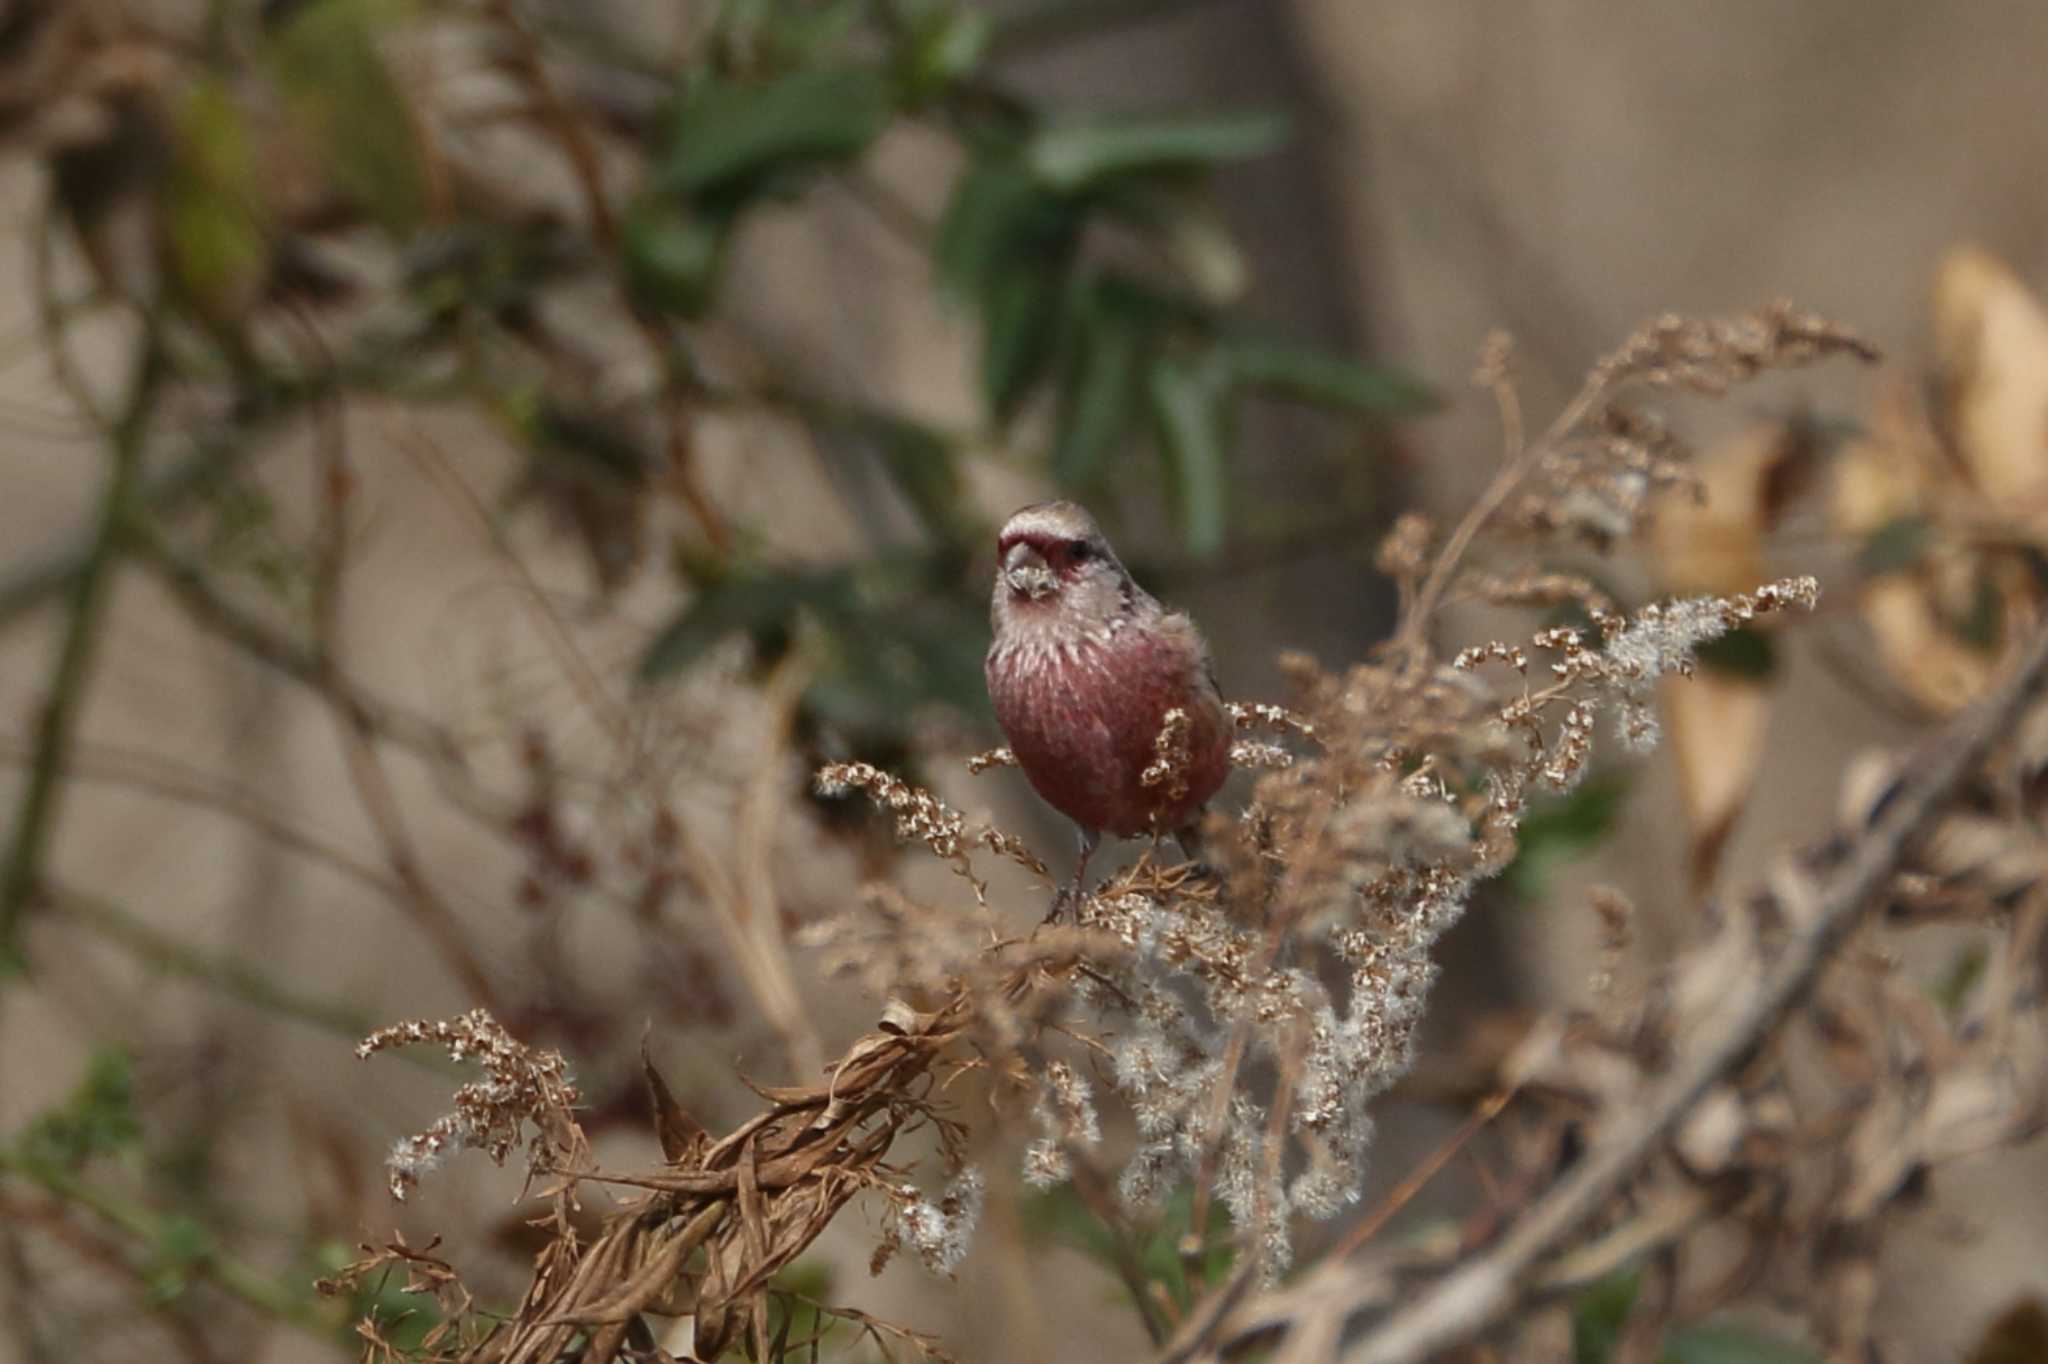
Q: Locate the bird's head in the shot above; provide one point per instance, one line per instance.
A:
(1052, 556)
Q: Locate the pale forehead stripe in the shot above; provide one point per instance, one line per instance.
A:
(1047, 521)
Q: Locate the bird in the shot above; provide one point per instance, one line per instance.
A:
(1082, 670)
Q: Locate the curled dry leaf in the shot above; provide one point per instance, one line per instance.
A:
(1716, 725)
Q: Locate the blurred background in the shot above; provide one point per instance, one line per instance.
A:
(465, 463)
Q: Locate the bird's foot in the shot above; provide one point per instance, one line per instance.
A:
(1066, 903)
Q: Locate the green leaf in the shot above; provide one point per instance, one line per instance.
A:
(403, 1319)
(585, 447)
(727, 136)
(98, 1117)
(1897, 544)
(949, 47)
(1557, 831)
(1982, 626)
(338, 89)
(675, 254)
(1059, 1215)
(1099, 393)
(1021, 315)
(902, 651)
(920, 460)
(803, 35)
(1072, 157)
(182, 1244)
(1314, 376)
(1719, 1343)
(1964, 971)
(893, 639)
(995, 213)
(1742, 652)
(1187, 414)
(1599, 1315)
(217, 236)
(742, 603)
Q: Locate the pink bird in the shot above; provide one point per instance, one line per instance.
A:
(1084, 668)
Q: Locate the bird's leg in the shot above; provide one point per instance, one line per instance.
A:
(1070, 895)
(1189, 836)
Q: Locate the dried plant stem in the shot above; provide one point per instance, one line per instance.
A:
(1821, 907)
(1418, 1178)
(742, 894)
(73, 671)
(1521, 458)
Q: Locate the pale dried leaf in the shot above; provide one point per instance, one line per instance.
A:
(1991, 347)
(1709, 538)
(1716, 726)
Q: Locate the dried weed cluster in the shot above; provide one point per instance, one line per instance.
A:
(1226, 1030)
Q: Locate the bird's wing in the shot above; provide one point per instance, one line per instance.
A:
(1181, 624)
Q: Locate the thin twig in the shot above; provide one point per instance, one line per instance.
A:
(230, 975)
(1403, 1193)
(152, 774)
(68, 681)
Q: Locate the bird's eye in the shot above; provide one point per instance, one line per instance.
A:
(1080, 552)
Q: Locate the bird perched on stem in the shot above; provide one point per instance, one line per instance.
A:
(1108, 699)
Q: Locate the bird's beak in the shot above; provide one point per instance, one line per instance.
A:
(1025, 570)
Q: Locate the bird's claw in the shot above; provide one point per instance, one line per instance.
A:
(1066, 903)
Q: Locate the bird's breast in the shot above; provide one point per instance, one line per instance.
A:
(1083, 712)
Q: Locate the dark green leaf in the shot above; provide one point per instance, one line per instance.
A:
(921, 461)
(582, 445)
(1315, 376)
(728, 135)
(675, 255)
(996, 213)
(1061, 1216)
(1744, 652)
(1895, 545)
(746, 603)
(403, 1319)
(1717, 1343)
(1099, 392)
(1982, 627)
(1070, 158)
(1020, 322)
(802, 35)
(1187, 413)
(896, 655)
(1599, 1315)
(338, 89)
(1556, 831)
